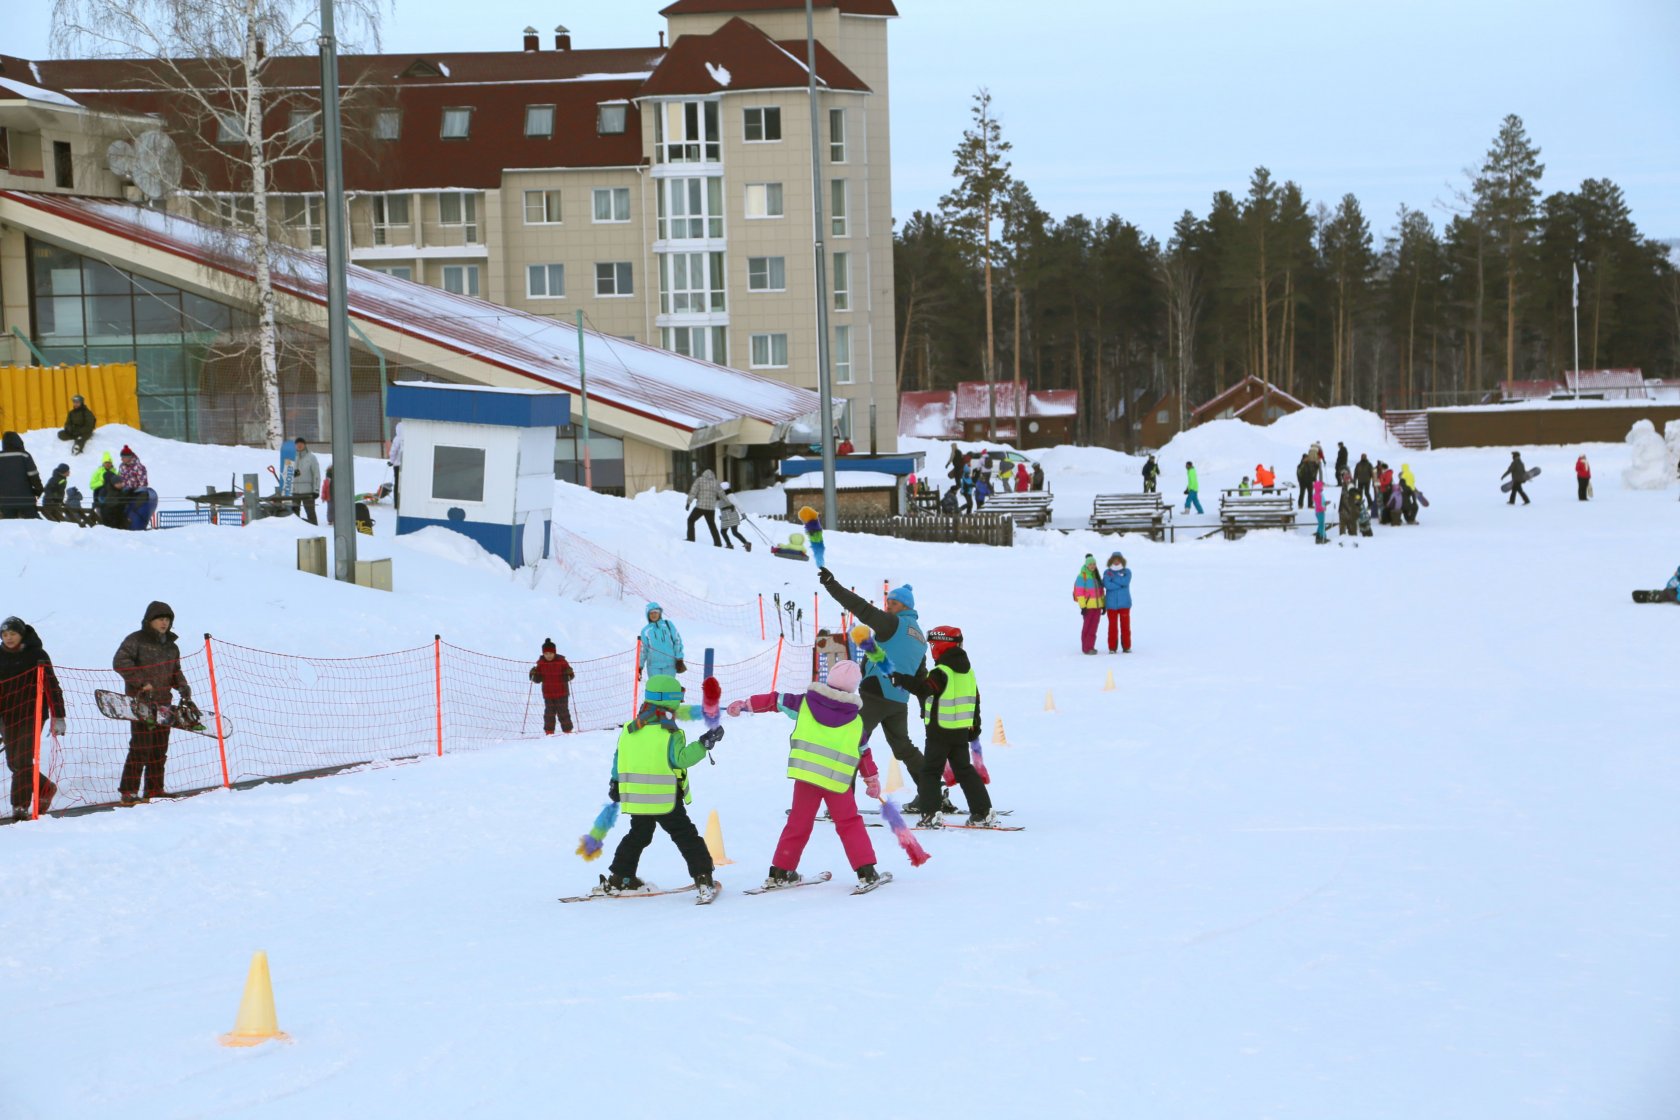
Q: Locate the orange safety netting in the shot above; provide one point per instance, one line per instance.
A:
(593, 566)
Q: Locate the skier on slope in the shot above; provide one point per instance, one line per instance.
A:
(951, 699)
(650, 783)
(20, 657)
(827, 750)
(1151, 472)
(662, 646)
(149, 662)
(555, 675)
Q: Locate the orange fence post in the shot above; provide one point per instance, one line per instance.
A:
(635, 677)
(883, 594)
(437, 673)
(216, 706)
(776, 669)
(761, 616)
(40, 697)
(815, 613)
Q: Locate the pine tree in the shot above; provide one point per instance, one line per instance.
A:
(1506, 191)
(982, 174)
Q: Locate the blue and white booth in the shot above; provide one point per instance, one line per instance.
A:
(480, 460)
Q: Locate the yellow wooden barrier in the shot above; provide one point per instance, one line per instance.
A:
(33, 397)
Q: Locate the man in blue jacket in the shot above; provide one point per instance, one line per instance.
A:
(662, 648)
(1117, 601)
(898, 629)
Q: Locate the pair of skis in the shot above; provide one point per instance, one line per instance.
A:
(884, 878)
(704, 898)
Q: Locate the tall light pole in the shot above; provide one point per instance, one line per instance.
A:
(343, 498)
(825, 389)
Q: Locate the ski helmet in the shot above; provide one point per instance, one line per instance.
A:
(942, 638)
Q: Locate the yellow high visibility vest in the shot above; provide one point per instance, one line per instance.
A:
(827, 757)
(955, 707)
(647, 785)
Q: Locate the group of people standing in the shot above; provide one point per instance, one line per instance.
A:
(974, 479)
(122, 495)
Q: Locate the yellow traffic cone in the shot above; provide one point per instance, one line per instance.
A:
(1108, 685)
(714, 840)
(256, 1023)
(1049, 701)
(997, 734)
(895, 777)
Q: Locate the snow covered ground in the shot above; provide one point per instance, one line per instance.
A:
(1384, 832)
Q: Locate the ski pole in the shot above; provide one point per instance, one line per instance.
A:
(779, 631)
(527, 715)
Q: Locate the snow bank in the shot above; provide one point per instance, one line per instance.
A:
(1654, 457)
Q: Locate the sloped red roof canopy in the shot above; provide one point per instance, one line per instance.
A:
(730, 7)
(753, 61)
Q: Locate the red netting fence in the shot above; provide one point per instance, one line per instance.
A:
(608, 573)
(284, 715)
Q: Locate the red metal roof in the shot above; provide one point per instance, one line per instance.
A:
(728, 7)
(738, 56)
(1250, 383)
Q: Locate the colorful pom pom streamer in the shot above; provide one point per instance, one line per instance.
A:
(906, 839)
(711, 693)
(813, 532)
(590, 844)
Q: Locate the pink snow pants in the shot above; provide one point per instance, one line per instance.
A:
(854, 835)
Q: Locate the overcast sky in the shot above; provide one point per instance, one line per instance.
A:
(1144, 108)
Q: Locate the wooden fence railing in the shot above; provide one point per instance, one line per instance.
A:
(973, 528)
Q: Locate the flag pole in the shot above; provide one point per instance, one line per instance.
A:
(1575, 303)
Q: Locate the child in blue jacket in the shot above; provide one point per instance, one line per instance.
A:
(1117, 591)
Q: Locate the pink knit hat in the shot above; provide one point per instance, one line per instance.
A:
(844, 676)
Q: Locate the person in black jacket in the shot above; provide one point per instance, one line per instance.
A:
(1305, 471)
(150, 664)
(21, 656)
(946, 744)
(1341, 463)
(52, 499)
(78, 425)
(20, 482)
(1151, 472)
(1362, 475)
(1518, 474)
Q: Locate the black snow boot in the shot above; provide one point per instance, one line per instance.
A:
(867, 873)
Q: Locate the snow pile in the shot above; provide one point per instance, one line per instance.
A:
(1226, 450)
(1653, 457)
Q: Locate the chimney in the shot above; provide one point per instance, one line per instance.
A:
(662, 40)
(562, 39)
(530, 39)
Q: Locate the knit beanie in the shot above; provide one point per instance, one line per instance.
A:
(844, 676)
(904, 595)
(548, 645)
(128, 452)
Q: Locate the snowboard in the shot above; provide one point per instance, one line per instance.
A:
(957, 812)
(288, 467)
(810, 882)
(115, 705)
(1662, 595)
(1506, 487)
(596, 892)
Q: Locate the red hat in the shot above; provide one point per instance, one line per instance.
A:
(128, 452)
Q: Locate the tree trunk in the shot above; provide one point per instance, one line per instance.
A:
(991, 349)
(1475, 370)
(1020, 432)
(909, 324)
(268, 343)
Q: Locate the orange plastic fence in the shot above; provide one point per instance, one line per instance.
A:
(283, 715)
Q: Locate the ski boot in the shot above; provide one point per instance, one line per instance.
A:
(930, 820)
(867, 874)
(706, 887)
(621, 884)
(946, 805)
(988, 819)
(780, 878)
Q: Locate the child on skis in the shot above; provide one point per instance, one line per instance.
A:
(951, 709)
(828, 749)
(555, 675)
(650, 783)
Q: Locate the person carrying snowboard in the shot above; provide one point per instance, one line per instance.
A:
(149, 663)
(650, 783)
(555, 675)
(827, 750)
(21, 658)
(662, 646)
(951, 699)
(1518, 474)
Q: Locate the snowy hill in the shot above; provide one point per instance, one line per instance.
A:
(1383, 832)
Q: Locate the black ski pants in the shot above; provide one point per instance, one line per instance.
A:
(1581, 487)
(711, 523)
(736, 529)
(946, 746)
(558, 708)
(20, 759)
(1516, 492)
(893, 719)
(148, 747)
(678, 826)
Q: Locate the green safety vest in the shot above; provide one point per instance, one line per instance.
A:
(647, 783)
(827, 757)
(954, 708)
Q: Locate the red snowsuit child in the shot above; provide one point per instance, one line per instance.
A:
(824, 708)
(555, 674)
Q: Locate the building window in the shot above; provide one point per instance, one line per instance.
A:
(612, 204)
(232, 209)
(842, 281)
(400, 271)
(691, 283)
(837, 208)
(606, 460)
(545, 281)
(539, 120)
(763, 125)
(390, 211)
(462, 279)
(837, 136)
(301, 126)
(612, 278)
(459, 208)
(542, 208)
(769, 351)
(766, 274)
(842, 355)
(611, 118)
(458, 474)
(709, 344)
(690, 209)
(686, 132)
(230, 128)
(764, 200)
(456, 123)
(307, 213)
(387, 125)
(64, 169)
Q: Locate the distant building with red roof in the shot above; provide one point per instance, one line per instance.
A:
(1047, 415)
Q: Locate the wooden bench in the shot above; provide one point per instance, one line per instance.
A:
(924, 503)
(1238, 513)
(1031, 508)
(1130, 513)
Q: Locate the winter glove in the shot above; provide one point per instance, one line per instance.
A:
(736, 707)
(872, 786)
(711, 738)
(58, 727)
(612, 790)
(682, 666)
(535, 674)
(826, 578)
(188, 713)
(903, 680)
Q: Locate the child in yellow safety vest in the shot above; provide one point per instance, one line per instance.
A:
(951, 702)
(827, 750)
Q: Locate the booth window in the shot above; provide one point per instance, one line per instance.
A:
(458, 474)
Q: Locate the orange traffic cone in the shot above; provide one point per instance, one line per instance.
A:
(256, 1023)
(1049, 701)
(1108, 685)
(997, 734)
(895, 777)
(714, 840)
